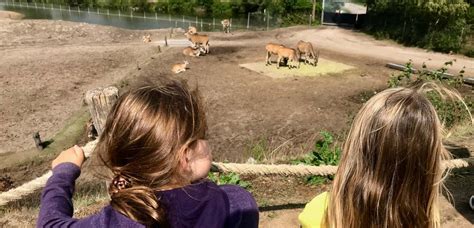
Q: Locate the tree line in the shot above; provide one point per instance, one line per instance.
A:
(439, 25)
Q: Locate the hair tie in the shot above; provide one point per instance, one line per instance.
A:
(118, 183)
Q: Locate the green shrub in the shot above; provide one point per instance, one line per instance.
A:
(324, 153)
(449, 112)
(437, 25)
(228, 178)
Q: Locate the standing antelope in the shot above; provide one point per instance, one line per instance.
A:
(290, 54)
(226, 25)
(306, 48)
(272, 49)
(192, 30)
(180, 67)
(199, 40)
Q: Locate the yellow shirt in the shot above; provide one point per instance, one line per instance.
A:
(314, 211)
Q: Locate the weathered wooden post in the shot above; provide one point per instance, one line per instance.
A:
(38, 143)
(100, 101)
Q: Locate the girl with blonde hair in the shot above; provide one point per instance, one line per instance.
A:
(154, 144)
(391, 172)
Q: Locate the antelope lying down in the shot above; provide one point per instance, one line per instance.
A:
(146, 38)
(198, 40)
(194, 52)
(180, 67)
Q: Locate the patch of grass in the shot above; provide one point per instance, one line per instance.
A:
(259, 150)
(89, 193)
(228, 178)
(325, 152)
(324, 67)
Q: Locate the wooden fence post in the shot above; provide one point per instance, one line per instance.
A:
(100, 102)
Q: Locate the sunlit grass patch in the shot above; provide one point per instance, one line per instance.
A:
(324, 67)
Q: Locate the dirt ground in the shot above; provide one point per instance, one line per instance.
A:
(47, 66)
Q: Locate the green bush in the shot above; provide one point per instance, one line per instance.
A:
(228, 178)
(324, 153)
(449, 112)
(437, 25)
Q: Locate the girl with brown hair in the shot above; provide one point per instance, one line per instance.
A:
(391, 172)
(154, 145)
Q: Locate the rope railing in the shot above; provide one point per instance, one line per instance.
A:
(246, 169)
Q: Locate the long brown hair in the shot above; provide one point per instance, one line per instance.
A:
(145, 136)
(390, 174)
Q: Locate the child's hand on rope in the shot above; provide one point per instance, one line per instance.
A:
(74, 155)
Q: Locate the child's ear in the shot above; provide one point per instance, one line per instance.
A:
(185, 160)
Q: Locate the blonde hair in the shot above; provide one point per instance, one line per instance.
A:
(144, 138)
(390, 174)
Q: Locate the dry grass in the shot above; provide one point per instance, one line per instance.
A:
(324, 67)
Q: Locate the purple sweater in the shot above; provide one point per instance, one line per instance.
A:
(199, 205)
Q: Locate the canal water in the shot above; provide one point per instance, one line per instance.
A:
(130, 19)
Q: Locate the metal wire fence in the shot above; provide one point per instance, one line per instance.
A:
(132, 19)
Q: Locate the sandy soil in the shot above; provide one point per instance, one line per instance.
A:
(47, 66)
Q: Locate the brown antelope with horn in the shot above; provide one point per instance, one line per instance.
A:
(290, 54)
(192, 30)
(272, 49)
(226, 25)
(306, 49)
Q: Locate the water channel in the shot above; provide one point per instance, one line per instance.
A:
(130, 19)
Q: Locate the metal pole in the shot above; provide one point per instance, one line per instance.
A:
(268, 21)
(322, 13)
(108, 12)
(197, 21)
(213, 23)
(201, 24)
(309, 21)
(248, 20)
(78, 9)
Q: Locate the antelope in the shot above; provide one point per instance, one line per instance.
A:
(199, 40)
(190, 51)
(146, 38)
(272, 49)
(290, 54)
(192, 30)
(226, 25)
(180, 67)
(306, 48)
